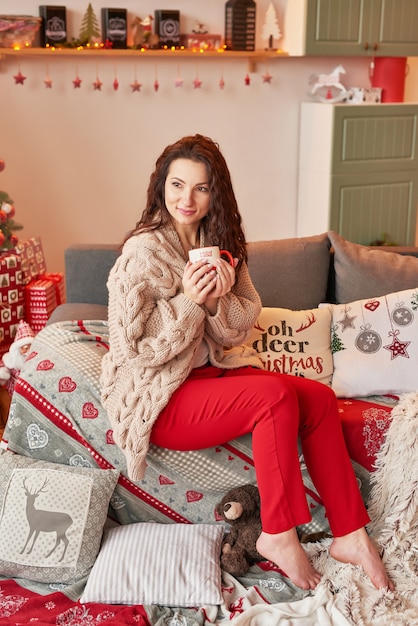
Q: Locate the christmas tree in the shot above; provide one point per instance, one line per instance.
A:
(7, 224)
(90, 29)
(271, 28)
(336, 343)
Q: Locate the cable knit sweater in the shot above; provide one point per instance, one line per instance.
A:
(154, 332)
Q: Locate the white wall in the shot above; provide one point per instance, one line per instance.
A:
(78, 160)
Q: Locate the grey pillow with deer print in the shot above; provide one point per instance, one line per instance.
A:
(51, 518)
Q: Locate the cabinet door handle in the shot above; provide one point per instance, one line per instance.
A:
(366, 46)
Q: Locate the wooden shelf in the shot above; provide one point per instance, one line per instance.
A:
(252, 58)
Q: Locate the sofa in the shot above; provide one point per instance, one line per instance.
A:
(333, 310)
(296, 273)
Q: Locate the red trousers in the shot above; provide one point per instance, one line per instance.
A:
(214, 406)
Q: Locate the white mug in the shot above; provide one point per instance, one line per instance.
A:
(210, 255)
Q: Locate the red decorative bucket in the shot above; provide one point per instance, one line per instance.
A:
(389, 73)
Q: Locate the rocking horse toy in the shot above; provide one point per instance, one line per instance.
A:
(328, 87)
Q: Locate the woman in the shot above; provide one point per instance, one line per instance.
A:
(178, 375)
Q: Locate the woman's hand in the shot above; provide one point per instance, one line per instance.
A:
(204, 285)
(199, 280)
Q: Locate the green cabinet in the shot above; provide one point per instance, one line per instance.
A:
(358, 171)
(352, 27)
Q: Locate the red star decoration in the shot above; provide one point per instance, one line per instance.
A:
(19, 78)
(398, 348)
(116, 84)
(97, 85)
(221, 84)
(197, 83)
(48, 82)
(247, 80)
(156, 85)
(135, 86)
(77, 82)
(178, 82)
(267, 77)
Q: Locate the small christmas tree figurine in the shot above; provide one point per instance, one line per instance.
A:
(90, 29)
(7, 224)
(271, 28)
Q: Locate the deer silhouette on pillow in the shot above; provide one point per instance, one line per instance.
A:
(45, 521)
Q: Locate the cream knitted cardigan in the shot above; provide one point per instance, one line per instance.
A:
(154, 331)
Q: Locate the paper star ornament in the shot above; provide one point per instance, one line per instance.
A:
(97, 85)
(267, 77)
(77, 82)
(48, 82)
(135, 86)
(19, 78)
(197, 83)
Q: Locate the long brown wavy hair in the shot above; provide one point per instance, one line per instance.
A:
(223, 224)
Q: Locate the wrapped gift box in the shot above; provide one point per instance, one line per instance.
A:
(32, 258)
(11, 296)
(58, 280)
(40, 301)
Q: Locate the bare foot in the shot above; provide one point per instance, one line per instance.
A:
(358, 549)
(285, 551)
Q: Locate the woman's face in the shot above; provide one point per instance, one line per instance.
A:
(186, 190)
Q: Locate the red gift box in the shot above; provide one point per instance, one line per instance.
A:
(40, 301)
(32, 258)
(58, 279)
(11, 296)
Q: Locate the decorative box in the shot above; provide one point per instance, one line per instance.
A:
(240, 25)
(114, 27)
(202, 41)
(32, 258)
(59, 283)
(40, 301)
(18, 30)
(167, 27)
(358, 95)
(54, 25)
(11, 297)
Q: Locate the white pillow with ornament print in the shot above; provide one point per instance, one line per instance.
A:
(374, 345)
(294, 342)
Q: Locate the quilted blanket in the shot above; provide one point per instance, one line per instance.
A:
(56, 415)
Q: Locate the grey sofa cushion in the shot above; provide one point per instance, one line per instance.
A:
(78, 311)
(362, 272)
(87, 267)
(290, 273)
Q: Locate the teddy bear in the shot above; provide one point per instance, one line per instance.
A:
(240, 508)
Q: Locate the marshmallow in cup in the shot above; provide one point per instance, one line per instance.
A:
(210, 254)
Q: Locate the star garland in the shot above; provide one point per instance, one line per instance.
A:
(135, 85)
